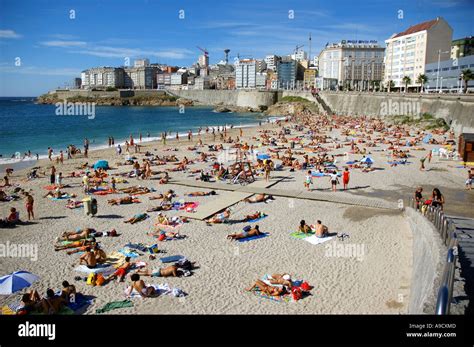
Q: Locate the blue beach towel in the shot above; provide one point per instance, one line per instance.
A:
(129, 253)
(172, 259)
(253, 237)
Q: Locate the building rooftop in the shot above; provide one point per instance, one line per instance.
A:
(418, 27)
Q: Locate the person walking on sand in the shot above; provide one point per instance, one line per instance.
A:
(334, 180)
(61, 157)
(470, 178)
(268, 169)
(430, 155)
(190, 135)
(53, 175)
(50, 153)
(177, 136)
(308, 181)
(345, 178)
(29, 206)
(422, 163)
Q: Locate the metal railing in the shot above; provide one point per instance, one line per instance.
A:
(447, 232)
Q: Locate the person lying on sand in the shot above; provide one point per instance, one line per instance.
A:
(140, 287)
(244, 234)
(166, 234)
(253, 216)
(135, 190)
(284, 279)
(169, 271)
(202, 193)
(267, 289)
(219, 217)
(88, 258)
(136, 218)
(121, 271)
(162, 207)
(123, 201)
(79, 234)
(58, 194)
(258, 198)
(76, 244)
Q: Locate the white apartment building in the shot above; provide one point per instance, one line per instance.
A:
(261, 80)
(408, 52)
(245, 74)
(139, 77)
(102, 77)
(272, 62)
(351, 65)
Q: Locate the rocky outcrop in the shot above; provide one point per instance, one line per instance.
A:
(283, 108)
(154, 100)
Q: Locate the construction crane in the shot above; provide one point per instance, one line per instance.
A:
(206, 53)
(297, 48)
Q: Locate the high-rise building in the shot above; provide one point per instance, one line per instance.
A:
(245, 74)
(408, 52)
(260, 65)
(287, 70)
(448, 77)
(462, 47)
(272, 62)
(351, 65)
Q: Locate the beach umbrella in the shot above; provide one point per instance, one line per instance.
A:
(367, 160)
(263, 156)
(101, 164)
(16, 281)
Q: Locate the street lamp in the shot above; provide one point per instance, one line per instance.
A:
(437, 72)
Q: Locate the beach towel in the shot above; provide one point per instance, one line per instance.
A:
(160, 289)
(257, 219)
(114, 305)
(318, 174)
(351, 162)
(172, 259)
(317, 240)
(253, 237)
(115, 259)
(139, 246)
(169, 226)
(67, 196)
(104, 269)
(282, 298)
(129, 252)
(300, 235)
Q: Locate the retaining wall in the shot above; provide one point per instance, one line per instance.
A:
(428, 259)
(457, 110)
(244, 98)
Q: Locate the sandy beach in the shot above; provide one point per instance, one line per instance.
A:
(376, 281)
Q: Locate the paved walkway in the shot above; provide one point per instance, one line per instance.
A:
(236, 193)
(463, 292)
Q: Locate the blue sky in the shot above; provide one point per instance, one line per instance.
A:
(54, 48)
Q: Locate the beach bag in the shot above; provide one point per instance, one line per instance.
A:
(296, 293)
(162, 237)
(100, 280)
(154, 248)
(91, 279)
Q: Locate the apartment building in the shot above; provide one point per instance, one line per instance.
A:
(102, 77)
(272, 62)
(245, 74)
(407, 53)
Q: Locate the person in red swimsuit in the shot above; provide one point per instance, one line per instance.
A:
(345, 178)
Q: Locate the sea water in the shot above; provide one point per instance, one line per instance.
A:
(27, 126)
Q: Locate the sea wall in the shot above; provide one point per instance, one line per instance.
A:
(457, 110)
(243, 98)
(65, 94)
(427, 264)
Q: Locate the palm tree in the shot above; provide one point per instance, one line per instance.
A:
(422, 79)
(466, 76)
(390, 85)
(406, 81)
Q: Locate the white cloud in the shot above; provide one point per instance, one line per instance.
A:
(121, 52)
(9, 34)
(63, 43)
